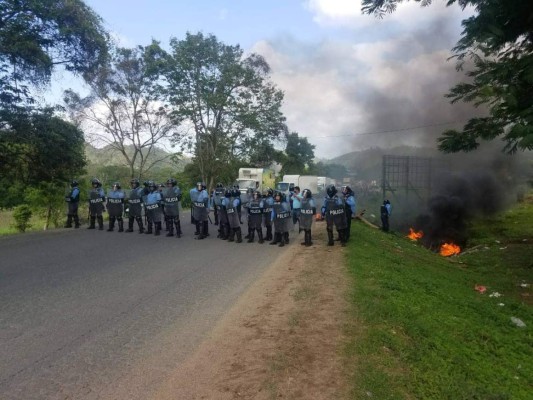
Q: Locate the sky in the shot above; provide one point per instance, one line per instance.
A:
(351, 81)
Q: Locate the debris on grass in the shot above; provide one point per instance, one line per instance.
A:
(480, 288)
(518, 322)
(495, 294)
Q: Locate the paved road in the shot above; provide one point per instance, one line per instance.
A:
(86, 314)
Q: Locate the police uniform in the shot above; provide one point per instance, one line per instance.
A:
(73, 199)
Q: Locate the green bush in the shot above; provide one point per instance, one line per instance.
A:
(22, 215)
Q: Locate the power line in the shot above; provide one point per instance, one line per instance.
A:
(390, 131)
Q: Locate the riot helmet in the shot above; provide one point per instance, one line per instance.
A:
(172, 181)
(152, 185)
(116, 186)
(134, 183)
(278, 194)
(256, 195)
(331, 190)
(200, 186)
(146, 184)
(270, 192)
(227, 193)
(219, 185)
(96, 182)
(235, 193)
(74, 183)
(307, 194)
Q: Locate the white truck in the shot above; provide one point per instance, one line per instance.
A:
(324, 182)
(255, 178)
(302, 181)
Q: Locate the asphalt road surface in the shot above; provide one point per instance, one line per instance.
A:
(86, 314)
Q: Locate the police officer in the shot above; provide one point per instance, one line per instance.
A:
(152, 204)
(385, 211)
(134, 206)
(296, 205)
(200, 210)
(349, 205)
(255, 217)
(334, 212)
(247, 199)
(224, 227)
(231, 205)
(73, 199)
(115, 207)
(307, 211)
(171, 198)
(280, 216)
(268, 202)
(96, 204)
(216, 201)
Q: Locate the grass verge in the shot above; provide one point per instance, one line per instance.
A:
(420, 330)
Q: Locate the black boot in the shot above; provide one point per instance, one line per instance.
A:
(281, 237)
(239, 235)
(343, 234)
(231, 237)
(178, 229)
(248, 234)
(69, 221)
(269, 233)
(308, 238)
(251, 236)
(206, 228)
(226, 231)
(275, 240)
(260, 236)
(100, 223)
(130, 224)
(121, 225)
(91, 223)
(149, 228)
(140, 223)
(76, 221)
(157, 228)
(286, 237)
(198, 224)
(111, 224)
(330, 238)
(170, 229)
(201, 234)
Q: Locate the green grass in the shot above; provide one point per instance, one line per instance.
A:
(419, 330)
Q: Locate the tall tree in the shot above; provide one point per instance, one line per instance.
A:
(298, 156)
(225, 97)
(498, 39)
(124, 111)
(36, 36)
(39, 148)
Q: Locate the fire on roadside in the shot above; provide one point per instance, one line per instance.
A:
(449, 249)
(414, 235)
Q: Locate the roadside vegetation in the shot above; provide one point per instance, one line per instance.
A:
(425, 326)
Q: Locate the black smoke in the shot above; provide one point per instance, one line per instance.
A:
(459, 199)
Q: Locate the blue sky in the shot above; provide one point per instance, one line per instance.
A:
(343, 73)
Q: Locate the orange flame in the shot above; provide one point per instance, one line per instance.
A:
(414, 235)
(449, 249)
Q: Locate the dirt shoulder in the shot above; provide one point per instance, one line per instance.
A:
(282, 339)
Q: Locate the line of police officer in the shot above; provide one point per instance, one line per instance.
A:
(269, 209)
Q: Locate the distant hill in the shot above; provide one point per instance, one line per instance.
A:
(107, 156)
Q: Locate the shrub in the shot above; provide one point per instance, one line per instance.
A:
(22, 215)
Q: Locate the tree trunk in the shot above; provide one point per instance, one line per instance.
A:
(48, 216)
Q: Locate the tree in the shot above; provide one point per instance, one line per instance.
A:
(226, 99)
(41, 147)
(123, 110)
(299, 154)
(498, 39)
(36, 36)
